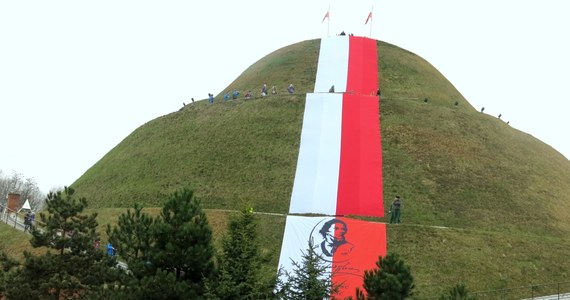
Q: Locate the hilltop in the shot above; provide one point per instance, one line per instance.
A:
(484, 203)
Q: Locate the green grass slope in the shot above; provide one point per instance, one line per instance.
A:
(502, 195)
(14, 242)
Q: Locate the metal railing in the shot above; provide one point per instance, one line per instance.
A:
(12, 218)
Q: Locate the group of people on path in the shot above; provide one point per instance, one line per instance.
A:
(249, 94)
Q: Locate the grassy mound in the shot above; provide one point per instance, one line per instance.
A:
(484, 203)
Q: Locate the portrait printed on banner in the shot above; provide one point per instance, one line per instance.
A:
(329, 239)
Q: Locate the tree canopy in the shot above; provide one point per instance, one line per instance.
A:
(76, 269)
(390, 280)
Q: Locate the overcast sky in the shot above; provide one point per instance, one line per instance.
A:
(77, 77)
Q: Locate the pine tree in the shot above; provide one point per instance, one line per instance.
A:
(159, 286)
(172, 253)
(76, 268)
(183, 239)
(7, 264)
(458, 292)
(310, 279)
(64, 227)
(390, 280)
(133, 238)
(240, 264)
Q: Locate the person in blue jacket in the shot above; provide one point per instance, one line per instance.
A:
(111, 250)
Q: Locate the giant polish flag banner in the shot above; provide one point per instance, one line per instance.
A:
(339, 168)
(346, 246)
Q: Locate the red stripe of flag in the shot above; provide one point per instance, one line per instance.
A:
(363, 243)
(360, 169)
(362, 66)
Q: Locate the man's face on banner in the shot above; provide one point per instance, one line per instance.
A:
(335, 234)
(330, 235)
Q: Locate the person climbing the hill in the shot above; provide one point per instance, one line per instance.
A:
(273, 90)
(291, 89)
(395, 210)
(264, 90)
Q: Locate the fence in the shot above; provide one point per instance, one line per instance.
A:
(549, 291)
(12, 218)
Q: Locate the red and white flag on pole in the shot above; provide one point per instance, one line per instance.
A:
(368, 18)
(327, 16)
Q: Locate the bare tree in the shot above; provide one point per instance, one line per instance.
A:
(26, 187)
